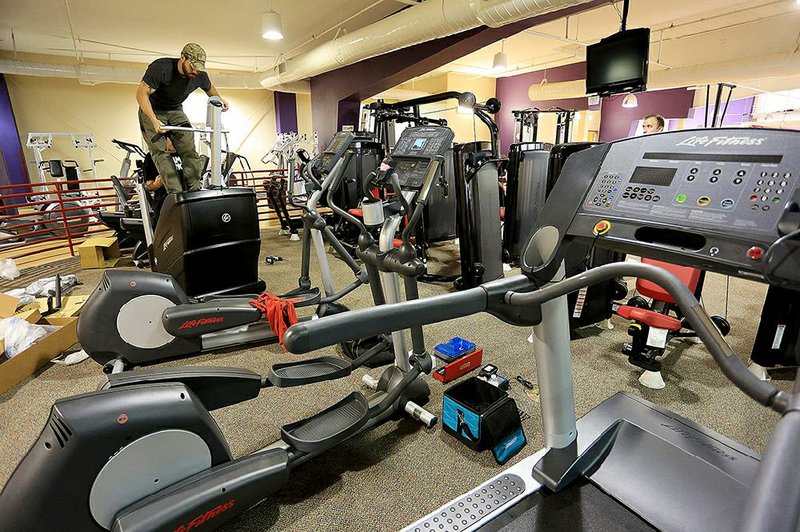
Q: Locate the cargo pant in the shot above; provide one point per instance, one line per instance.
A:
(184, 145)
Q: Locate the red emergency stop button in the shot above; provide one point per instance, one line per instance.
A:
(602, 227)
(755, 253)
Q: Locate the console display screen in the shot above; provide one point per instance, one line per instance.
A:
(653, 175)
(419, 143)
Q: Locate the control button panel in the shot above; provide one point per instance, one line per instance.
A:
(724, 185)
(714, 194)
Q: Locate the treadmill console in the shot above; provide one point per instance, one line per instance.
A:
(416, 150)
(713, 199)
(335, 150)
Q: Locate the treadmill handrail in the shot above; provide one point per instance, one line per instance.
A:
(695, 314)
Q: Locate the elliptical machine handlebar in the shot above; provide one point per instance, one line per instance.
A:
(383, 319)
(338, 210)
(130, 148)
(305, 337)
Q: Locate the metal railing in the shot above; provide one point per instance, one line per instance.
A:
(41, 219)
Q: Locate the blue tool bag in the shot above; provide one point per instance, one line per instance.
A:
(482, 417)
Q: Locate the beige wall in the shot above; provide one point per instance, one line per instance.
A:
(109, 111)
(304, 114)
(466, 127)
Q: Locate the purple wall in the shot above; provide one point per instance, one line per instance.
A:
(348, 114)
(738, 111)
(513, 95)
(9, 138)
(367, 78)
(616, 121)
(286, 112)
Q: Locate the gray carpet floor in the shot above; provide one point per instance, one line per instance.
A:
(389, 477)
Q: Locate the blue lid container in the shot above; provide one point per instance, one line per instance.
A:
(455, 348)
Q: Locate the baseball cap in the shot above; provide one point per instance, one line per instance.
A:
(196, 56)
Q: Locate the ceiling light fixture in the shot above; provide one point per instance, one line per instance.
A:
(630, 101)
(500, 61)
(271, 26)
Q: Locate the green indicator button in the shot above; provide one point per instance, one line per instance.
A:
(680, 198)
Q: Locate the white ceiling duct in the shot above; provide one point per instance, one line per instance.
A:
(96, 74)
(400, 94)
(427, 21)
(735, 71)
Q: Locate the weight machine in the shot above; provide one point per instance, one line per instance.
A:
(39, 142)
(528, 120)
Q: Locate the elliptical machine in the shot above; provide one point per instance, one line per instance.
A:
(138, 318)
(405, 197)
(145, 454)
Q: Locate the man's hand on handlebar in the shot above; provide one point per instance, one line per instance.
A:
(224, 104)
(159, 127)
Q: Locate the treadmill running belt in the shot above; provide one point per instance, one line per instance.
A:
(580, 507)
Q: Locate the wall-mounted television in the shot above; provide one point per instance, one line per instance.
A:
(618, 63)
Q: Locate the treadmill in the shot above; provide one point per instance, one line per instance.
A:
(695, 198)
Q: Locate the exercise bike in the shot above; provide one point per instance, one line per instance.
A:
(654, 323)
(145, 454)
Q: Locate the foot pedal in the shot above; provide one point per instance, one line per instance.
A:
(306, 297)
(308, 371)
(330, 427)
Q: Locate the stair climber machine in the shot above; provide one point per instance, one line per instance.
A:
(144, 453)
(533, 169)
(208, 240)
(630, 464)
(477, 168)
(136, 318)
(405, 181)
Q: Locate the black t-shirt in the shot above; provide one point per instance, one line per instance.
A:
(171, 89)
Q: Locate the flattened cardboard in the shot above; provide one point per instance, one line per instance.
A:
(99, 252)
(70, 307)
(15, 370)
(8, 305)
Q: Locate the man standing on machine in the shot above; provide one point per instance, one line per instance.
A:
(154, 183)
(653, 124)
(166, 83)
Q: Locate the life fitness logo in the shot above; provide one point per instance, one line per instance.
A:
(721, 141)
(226, 217)
(203, 518)
(191, 324)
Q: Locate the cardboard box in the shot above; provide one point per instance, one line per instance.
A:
(15, 370)
(70, 307)
(99, 252)
(8, 305)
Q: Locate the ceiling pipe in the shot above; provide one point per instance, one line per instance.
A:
(432, 19)
(400, 94)
(735, 71)
(97, 74)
